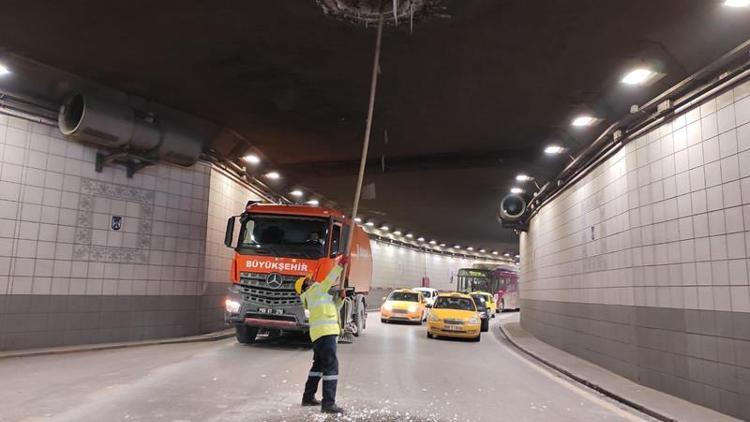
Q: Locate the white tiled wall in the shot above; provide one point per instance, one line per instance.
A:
(395, 266)
(664, 223)
(44, 223)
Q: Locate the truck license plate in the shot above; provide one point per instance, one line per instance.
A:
(453, 328)
(271, 311)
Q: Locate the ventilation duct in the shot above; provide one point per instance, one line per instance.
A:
(119, 126)
(512, 208)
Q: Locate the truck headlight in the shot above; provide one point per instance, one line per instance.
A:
(232, 306)
(474, 320)
(412, 308)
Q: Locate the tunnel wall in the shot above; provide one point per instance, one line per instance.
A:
(642, 266)
(66, 277)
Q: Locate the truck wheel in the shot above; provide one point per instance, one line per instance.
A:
(245, 334)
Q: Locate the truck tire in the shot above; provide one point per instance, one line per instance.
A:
(245, 334)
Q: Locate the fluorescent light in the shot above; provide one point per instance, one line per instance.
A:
(251, 159)
(369, 224)
(638, 76)
(516, 190)
(409, 235)
(4, 70)
(357, 220)
(524, 178)
(554, 149)
(494, 252)
(384, 227)
(313, 202)
(420, 239)
(432, 242)
(737, 3)
(397, 232)
(584, 120)
(296, 193)
(273, 175)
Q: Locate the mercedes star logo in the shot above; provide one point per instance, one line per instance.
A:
(274, 280)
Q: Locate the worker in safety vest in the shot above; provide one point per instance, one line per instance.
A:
(324, 309)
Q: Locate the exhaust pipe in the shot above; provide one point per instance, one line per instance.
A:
(118, 125)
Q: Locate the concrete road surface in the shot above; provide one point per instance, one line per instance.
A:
(392, 373)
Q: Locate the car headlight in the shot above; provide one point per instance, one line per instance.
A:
(232, 306)
(474, 320)
(412, 308)
(434, 318)
(387, 306)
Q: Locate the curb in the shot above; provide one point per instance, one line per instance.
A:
(596, 387)
(218, 335)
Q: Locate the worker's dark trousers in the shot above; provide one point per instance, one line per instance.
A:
(325, 366)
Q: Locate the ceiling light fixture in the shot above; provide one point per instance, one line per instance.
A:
(384, 228)
(273, 175)
(420, 239)
(432, 242)
(639, 76)
(296, 193)
(470, 248)
(524, 178)
(554, 149)
(313, 202)
(357, 220)
(515, 190)
(4, 70)
(506, 254)
(442, 245)
(494, 252)
(397, 232)
(369, 224)
(456, 246)
(483, 250)
(584, 120)
(251, 159)
(409, 235)
(737, 3)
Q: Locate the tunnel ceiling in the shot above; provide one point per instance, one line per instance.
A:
(468, 97)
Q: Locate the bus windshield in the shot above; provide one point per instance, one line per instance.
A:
(283, 236)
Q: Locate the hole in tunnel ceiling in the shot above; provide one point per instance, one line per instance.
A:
(395, 12)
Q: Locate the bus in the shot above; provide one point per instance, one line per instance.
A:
(501, 281)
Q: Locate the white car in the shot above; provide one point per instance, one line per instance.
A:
(429, 294)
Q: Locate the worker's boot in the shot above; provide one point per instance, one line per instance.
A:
(332, 408)
(310, 402)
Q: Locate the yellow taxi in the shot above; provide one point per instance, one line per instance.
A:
(404, 305)
(491, 304)
(454, 315)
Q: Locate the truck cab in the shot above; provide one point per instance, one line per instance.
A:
(277, 244)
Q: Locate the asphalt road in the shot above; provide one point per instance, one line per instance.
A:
(392, 373)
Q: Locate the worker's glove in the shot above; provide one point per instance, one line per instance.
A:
(342, 293)
(344, 260)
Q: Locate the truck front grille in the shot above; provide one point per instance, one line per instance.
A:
(256, 288)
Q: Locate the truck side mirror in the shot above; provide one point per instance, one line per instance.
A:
(229, 233)
(344, 246)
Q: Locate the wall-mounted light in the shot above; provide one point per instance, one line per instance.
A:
(584, 120)
(313, 202)
(420, 239)
(273, 175)
(384, 228)
(506, 254)
(516, 190)
(494, 252)
(409, 235)
(4, 70)
(442, 245)
(370, 224)
(456, 246)
(296, 193)
(397, 232)
(470, 248)
(432, 242)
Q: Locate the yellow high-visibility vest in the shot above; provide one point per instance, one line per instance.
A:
(324, 314)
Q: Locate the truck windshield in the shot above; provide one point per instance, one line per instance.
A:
(283, 236)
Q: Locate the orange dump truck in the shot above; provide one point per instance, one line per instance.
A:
(275, 245)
